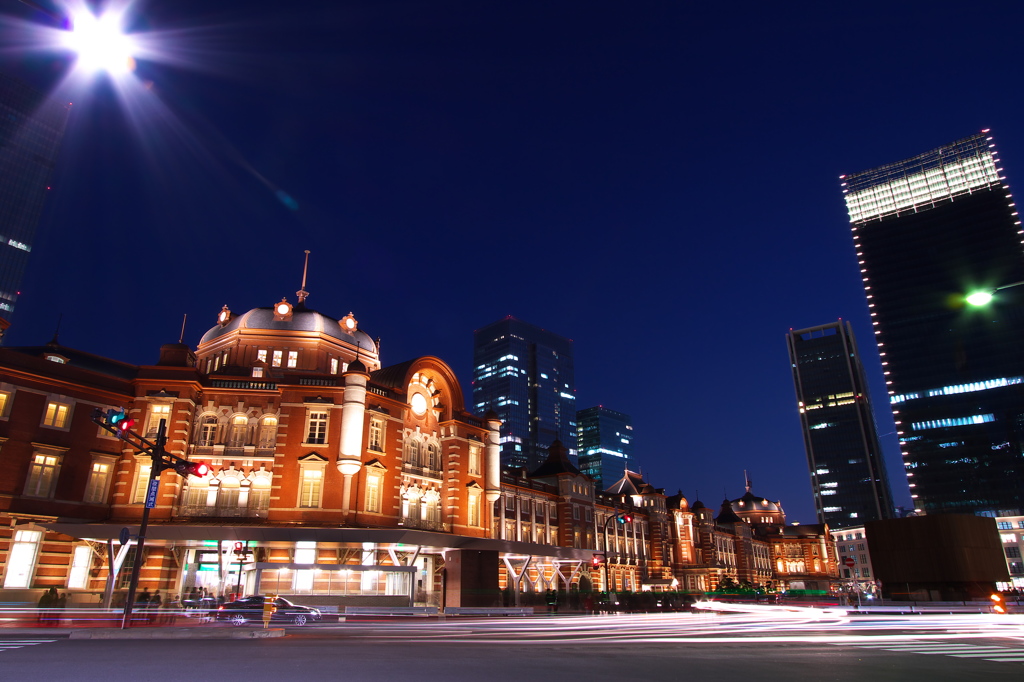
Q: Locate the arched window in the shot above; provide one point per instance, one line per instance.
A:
(433, 457)
(259, 496)
(239, 431)
(207, 433)
(227, 496)
(412, 453)
(268, 433)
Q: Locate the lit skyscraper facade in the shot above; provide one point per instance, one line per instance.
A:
(929, 231)
(30, 132)
(847, 470)
(525, 375)
(605, 441)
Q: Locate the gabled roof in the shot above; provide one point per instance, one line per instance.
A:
(556, 463)
(631, 483)
(79, 359)
(727, 515)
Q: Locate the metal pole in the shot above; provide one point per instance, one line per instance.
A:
(154, 474)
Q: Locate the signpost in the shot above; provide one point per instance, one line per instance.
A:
(849, 562)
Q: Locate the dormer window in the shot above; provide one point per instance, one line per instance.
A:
(257, 372)
(56, 358)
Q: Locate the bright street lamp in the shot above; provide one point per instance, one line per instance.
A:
(985, 296)
(100, 43)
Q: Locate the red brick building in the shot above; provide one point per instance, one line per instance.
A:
(347, 481)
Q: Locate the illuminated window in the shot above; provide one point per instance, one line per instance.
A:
(474, 460)
(21, 560)
(954, 421)
(257, 372)
(56, 415)
(277, 358)
(261, 355)
(474, 507)
(141, 483)
(311, 485)
(5, 403)
(158, 411)
(334, 365)
(376, 440)
(316, 428)
(268, 433)
(433, 457)
(42, 475)
(81, 562)
(99, 480)
(293, 359)
(373, 493)
(239, 431)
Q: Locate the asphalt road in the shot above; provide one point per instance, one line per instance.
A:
(717, 649)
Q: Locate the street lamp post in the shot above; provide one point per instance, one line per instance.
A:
(985, 296)
(614, 517)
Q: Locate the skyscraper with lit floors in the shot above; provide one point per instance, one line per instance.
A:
(31, 128)
(848, 474)
(525, 375)
(605, 441)
(928, 232)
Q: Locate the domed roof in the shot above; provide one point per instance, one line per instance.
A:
(751, 502)
(302, 320)
(727, 515)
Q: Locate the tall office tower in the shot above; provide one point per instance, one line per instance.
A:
(525, 374)
(30, 132)
(930, 231)
(605, 441)
(847, 469)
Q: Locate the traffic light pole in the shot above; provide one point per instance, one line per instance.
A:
(157, 455)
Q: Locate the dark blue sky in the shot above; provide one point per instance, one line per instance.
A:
(657, 182)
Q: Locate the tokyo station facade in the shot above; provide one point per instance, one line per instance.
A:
(346, 481)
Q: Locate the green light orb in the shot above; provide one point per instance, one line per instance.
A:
(980, 298)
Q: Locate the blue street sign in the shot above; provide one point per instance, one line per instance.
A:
(151, 493)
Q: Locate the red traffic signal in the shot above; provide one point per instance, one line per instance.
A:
(120, 421)
(625, 518)
(239, 548)
(185, 468)
(597, 559)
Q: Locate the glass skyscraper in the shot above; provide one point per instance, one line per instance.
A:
(605, 441)
(848, 474)
(929, 231)
(31, 128)
(525, 374)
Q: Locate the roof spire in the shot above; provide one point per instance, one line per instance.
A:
(184, 319)
(302, 293)
(56, 332)
(747, 480)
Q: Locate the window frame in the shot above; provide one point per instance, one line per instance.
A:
(37, 468)
(103, 491)
(55, 420)
(310, 437)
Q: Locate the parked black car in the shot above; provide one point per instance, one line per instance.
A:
(250, 610)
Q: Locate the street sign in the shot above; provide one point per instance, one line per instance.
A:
(848, 561)
(151, 493)
(125, 536)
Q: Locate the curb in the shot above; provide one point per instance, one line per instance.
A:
(176, 633)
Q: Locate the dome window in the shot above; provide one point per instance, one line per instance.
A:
(224, 316)
(349, 324)
(282, 311)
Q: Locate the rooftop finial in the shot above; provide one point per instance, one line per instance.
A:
(747, 480)
(302, 293)
(184, 319)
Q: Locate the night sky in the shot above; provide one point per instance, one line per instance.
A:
(656, 180)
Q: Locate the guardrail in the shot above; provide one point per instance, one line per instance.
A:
(488, 611)
(391, 610)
